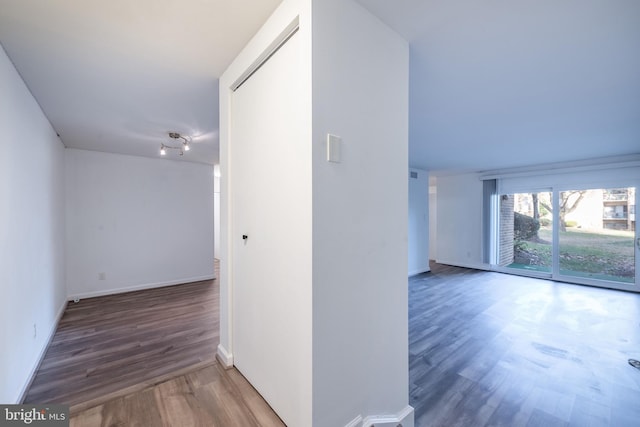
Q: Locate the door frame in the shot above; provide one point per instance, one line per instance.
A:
(280, 26)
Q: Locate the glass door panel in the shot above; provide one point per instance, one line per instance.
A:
(526, 231)
(597, 234)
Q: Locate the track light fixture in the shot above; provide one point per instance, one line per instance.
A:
(184, 141)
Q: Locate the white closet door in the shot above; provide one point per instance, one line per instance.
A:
(271, 231)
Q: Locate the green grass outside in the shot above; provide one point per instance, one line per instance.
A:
(602, 254)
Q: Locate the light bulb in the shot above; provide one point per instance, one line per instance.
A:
(163, 152)
(186, 147)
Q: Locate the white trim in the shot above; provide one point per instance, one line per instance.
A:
(277, 43)
(403, 418)
(139, 287)
(356, 422)
(629, 161)
(493, 234)
(555, 233)
(224, 357)
(25, 388)
(606, 176)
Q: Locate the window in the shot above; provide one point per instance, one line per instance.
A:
(594, 242)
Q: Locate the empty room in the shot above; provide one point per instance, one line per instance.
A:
(322, 213)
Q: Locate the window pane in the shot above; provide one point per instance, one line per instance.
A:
(597, 234)
(526, 226)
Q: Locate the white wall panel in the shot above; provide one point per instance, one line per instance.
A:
(31, 233)
(135, 222)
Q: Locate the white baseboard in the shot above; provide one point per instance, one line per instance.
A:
(132, 288)
(32, 374)
(403, 418)
(224, 357)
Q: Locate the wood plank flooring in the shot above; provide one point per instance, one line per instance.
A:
(485, 349)
(109, 346)
(208, 397)
(490, 349)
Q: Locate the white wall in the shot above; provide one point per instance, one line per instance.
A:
(418, 221)
(216, 214)
(142, 222)
(360, 211)
(359, 365)
(31, 233)
(459, 224)
(433, 217)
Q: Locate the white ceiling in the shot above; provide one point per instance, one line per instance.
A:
(118, 75)
(494, 83)
(503, 83)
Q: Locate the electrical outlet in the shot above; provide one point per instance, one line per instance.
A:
(102, 276)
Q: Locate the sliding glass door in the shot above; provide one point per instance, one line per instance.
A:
(581, 235)
(597, 234)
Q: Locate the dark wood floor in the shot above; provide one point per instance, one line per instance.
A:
(486, 349)
(490, 349)
(147, 358)
(109, 346)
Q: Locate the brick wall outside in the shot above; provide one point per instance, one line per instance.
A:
(506, 230)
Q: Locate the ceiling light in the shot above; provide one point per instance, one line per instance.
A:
(184, 146)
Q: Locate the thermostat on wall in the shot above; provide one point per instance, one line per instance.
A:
(334, 148)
